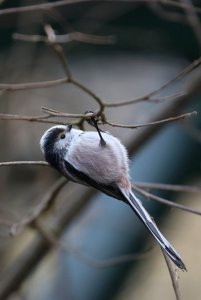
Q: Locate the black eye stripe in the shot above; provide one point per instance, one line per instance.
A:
(52, 138)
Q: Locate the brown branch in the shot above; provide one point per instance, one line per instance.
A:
(167, 120)
(38, 119)
(89, 92)
(45, 6)
(34, 38)
(147, 97)
(74, 36)
(32, 85)
(167, 98)
(57, 113)
(24, 118)
(173, 276)
(169, 187)
(24, 163)
(165, 201)
(114, 261)
(51, 37)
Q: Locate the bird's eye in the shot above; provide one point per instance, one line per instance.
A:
(62, 136)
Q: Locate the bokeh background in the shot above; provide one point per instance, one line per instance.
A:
(87, 246)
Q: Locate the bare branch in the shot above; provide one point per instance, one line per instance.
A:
(45, 6)
(24, 163)
(169, 187)
(90, 93)
(74, 36)
(114, 261)
(165, 201)
(34, 38)
(38, 119)
(32, 85)
(146, 97)
(24, 118)
(51, 38)
(173, 276)
(57, 113)
(168, 120)
(168, 97)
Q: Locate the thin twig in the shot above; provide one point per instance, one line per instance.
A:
(32, 85)
(89, 92)
(173, 276)
(147, 97)
(56, 113)
(24, 163)
(67, 38)
(114, 261)
(38, 119)
(51, 37)
(165, 201)
(45, 6)
(25, 118)
(167, 98)
(168, 120)
(169, 187)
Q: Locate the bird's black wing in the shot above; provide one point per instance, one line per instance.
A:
(69, 171)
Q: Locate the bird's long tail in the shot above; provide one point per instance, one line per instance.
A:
(141, 212)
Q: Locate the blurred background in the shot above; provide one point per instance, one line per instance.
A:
(86, 245)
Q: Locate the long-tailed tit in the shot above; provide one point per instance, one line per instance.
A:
(80, 156)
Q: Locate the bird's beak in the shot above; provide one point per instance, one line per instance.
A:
(69, 127)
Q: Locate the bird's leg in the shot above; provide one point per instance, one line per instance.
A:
(102, 141)
(94, 122)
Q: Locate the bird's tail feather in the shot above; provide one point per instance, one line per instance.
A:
(138, 208)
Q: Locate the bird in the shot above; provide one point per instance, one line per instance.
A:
(84, 158)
